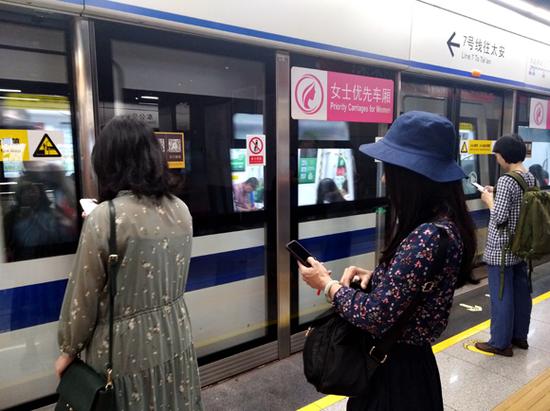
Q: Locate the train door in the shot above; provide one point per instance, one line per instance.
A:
(335, 190)
(538, 161)
(203, 98)
(39, 222)
(477, 115)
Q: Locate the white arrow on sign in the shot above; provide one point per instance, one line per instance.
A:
(474, 308)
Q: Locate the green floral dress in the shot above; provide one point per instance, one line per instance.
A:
(154, 362)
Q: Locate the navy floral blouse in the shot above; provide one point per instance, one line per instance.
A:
(395, 286)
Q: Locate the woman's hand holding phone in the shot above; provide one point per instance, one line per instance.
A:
(316, 276)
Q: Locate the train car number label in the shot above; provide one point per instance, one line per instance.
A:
(476, 147)
(255, 149)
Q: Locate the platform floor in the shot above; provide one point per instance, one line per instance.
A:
(535, 396)
(471, 380)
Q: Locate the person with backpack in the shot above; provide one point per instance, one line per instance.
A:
(509, 283)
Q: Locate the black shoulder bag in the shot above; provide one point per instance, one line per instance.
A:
(81, 388)
(340, 358)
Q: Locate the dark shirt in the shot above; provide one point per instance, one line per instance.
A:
(395, 286)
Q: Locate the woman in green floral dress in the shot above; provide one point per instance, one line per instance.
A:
(154, 363)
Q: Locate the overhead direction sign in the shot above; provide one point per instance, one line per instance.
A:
(452, 44)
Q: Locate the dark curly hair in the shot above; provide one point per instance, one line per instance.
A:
(128, 156)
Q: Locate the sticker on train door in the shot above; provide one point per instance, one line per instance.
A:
(46, 148)
(17, 145)
(14, 145)
(255, 149)
(173, 147)
(477, 147)
(45, 145)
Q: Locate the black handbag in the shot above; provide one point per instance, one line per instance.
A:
(81, 388)
(340, 358)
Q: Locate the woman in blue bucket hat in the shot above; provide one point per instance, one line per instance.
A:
(429, 253)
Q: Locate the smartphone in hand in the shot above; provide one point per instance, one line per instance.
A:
(299, 252)
(88, 205)
(479, 187)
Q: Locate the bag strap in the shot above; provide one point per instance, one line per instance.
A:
(519, 179)
(112, 270)
(379, 352)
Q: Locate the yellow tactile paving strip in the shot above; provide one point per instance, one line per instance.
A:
(534, 396)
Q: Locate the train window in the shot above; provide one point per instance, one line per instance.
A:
(480, 119)
(332, 170)
(323, 130)
(214, 94)
(215, 101)
(539, 161)
(37, 170)
(39, 222)
(425, 97)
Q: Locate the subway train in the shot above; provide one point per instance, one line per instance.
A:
(260, 112)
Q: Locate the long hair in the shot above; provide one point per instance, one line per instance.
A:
(128, 156)
(327, 190)
(415, 200)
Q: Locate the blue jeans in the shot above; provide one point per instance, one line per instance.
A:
(510, 316)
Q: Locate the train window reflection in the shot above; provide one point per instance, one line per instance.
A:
(539, 162)
(325, 175)
(248, 182)
(323, 130)
(480, 119)
(244, 124)
(38, 209)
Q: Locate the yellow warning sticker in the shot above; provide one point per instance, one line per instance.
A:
(476, 147)
(466, 126)
(46, 148)
(14, 145)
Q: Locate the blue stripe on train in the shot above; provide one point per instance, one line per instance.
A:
(481, 217)
(336, 246)
(37, 304)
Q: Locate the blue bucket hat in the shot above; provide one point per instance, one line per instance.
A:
(422, 142)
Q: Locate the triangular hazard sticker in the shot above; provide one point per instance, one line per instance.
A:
(464, 148)
(46, 148)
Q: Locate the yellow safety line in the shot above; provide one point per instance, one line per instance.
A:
(443, 345)
(323, 403)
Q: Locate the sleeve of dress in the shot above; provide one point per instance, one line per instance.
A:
(378, 310)
(86, 282)
(503, 200)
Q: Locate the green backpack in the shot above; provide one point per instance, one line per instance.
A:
(531, 240)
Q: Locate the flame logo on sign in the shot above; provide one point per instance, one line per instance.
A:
(538, 114)
(309, 94)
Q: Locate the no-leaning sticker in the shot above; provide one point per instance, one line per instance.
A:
(255, 149)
